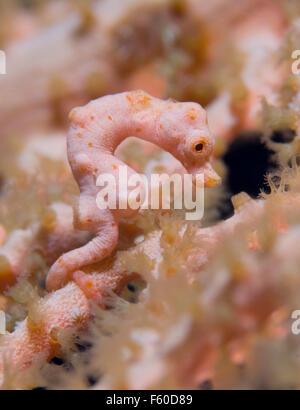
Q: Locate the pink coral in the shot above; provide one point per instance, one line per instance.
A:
(68, 308)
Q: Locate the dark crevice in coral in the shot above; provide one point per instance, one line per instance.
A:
(248, 160)
(225, 208)
(57, 361)
(132, 287)
(283, 136)
(83, 346)
(92, 380)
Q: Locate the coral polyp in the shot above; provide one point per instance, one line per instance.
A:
(140, 297)
(96, 131)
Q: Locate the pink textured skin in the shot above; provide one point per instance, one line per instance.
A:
(15, 251)
(96, 131)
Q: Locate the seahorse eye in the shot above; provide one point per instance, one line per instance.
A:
(199, 147)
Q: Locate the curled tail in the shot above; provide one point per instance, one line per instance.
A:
(102, 223)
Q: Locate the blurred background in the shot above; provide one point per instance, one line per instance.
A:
(233, 58)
